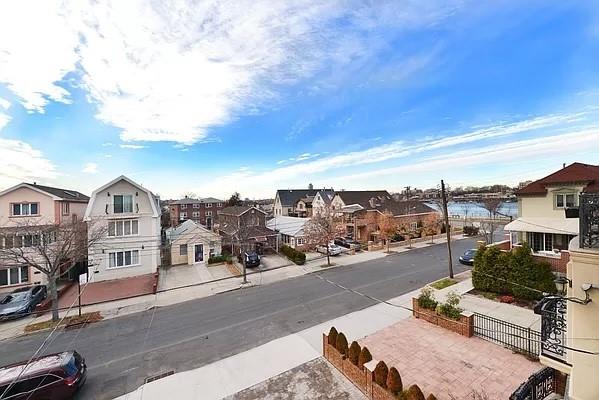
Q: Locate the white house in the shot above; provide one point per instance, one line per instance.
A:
(191, 243)
(291, 229)
(130, 214)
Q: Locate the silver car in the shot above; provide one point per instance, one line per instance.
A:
(334, 250)
(21, 302)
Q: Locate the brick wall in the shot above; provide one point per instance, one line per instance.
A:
(558, 264)
(464, 326)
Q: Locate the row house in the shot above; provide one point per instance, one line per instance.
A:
(302, 202)
(201, 211)
(22, 208)
(543, 206)
(130, 216)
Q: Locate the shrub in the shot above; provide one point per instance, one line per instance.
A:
(528, 273)
(506, 299)
(427, 298)
(470, 230)
(294, 255)
(451, 308)
(332, 338)
(354, 352)
(380, 374)
(414, 393)
(365, 357)
(219, 258)
(394, 381)
(431, 397)
(341, 344)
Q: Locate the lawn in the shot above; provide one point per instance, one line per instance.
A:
(83, 319)
(443, 283)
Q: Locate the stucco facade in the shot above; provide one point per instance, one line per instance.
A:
(129, 215)
(191, 243)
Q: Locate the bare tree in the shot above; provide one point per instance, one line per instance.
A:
(432, 226)
(491, 205)
(388, 227)
(321, 230)
(465, 207)
(52, 249)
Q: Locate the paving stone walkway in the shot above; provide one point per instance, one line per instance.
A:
(447, 364)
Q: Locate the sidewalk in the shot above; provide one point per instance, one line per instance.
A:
(241, 371)
(176, 295)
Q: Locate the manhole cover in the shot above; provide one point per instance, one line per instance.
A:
(159, 376)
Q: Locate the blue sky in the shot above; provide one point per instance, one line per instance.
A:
(216, 97)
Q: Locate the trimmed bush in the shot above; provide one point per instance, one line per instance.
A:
(431, 397)
(427, 298)
(394, 383)
(414, 393)
(217, 258)
(528, 273)
(332, 338)
(354, 352)
(470, 230)
(294, 255)
(380, 374)
(365, 357)
(341, 344)
(451, 308)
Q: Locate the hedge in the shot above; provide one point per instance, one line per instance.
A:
(354, 352)
(512, 273)
(294, 255)
(365, 357)
(218, 258)
(380, 374)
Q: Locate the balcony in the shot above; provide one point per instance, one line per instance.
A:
(554, 329)
(589, 220)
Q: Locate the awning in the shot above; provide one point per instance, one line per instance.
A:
(559, 226)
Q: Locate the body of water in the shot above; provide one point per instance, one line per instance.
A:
(474, 209)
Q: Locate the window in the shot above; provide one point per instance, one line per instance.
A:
(413, 226)
(123, 203)
(299, 241)
(65, 208)
(123, 258)
(126, 227)
(182, 249)
(195, 214)
(208, 205)
(219, 205)
(21, 209)
(183, 215)
(565, 200)
(196, 205)
(209, 213)
(183, 206)
(14, 275)
(540, 241)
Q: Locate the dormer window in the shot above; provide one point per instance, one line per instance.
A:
(123, 203)
(565, 200)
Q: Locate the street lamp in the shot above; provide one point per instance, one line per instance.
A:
(561, 283)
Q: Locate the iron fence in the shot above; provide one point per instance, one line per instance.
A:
(514, 337)
(537, 387)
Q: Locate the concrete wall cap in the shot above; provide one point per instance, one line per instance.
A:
(370, 365)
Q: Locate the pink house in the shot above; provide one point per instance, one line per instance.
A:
(37, 204)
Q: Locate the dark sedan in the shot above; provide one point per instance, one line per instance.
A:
(21, 302)
(347, 242)
(468, 257)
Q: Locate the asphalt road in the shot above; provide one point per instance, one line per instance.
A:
(122, 352)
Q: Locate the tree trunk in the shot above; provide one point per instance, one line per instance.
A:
(387, 241)
(53, 296)
(328, 257)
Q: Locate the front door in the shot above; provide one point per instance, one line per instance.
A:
(199, 253)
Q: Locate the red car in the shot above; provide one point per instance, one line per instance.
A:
(55, 376)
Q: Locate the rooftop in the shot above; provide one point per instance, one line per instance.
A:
(585, 174)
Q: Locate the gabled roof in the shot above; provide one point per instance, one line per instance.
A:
(152, 198)
(288, 197)
(363, 197)
(406, 207)
(238, 210)
(326, 196)
(585, 174)
(187, 228)
(291, 226)
(55, 193)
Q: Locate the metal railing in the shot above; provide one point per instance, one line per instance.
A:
(515, 337)
(537, 387)
(588, 215)
(554, 329)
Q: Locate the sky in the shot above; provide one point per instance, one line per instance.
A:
(216, 97)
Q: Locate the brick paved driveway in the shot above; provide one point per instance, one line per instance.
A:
(444, 363)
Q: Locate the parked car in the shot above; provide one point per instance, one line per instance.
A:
(347, 242)
(21, 302)
(334, 250)
(468, 257)
(55, 376)
(252, 259)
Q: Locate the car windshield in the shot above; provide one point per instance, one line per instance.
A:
(470, 253)
(14, 297)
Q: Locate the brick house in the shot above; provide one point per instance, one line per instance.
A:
(35, 204)
(201, 211)
(300, 202)
(244, 228)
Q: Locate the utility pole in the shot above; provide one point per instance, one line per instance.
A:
(447, 228)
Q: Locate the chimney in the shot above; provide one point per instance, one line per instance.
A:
(34, 183)
(564, 165)
(311, 187)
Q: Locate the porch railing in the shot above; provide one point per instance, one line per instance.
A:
(554, 329)
(537, 387)
(522, 339)
(588, 215)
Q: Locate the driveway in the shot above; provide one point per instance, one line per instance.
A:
(184, 275)
(447, 364)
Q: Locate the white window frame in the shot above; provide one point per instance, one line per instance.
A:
(183, 206)
(183, 215)
(113, 259)
(564, 200)
(22, 208)
(208, 205)
(19, 274)
(196, 205)
(195, 214)
(413, 226)
(65, 208)
(114, 232)
(219, 205)
(208, 213)
(181, 247)
(123, 195)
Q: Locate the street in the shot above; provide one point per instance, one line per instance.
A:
(122, 352)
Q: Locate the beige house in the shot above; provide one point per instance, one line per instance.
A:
(542, 206)
(131, 215)
(190, 243)
(33, 204)
(570, 325)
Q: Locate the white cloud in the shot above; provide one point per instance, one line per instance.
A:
(132, 146)
(90, 168)
(184, 67)
(4, 119)
(20, 162)
(301, 157)
(4, 103)
(106, 144)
